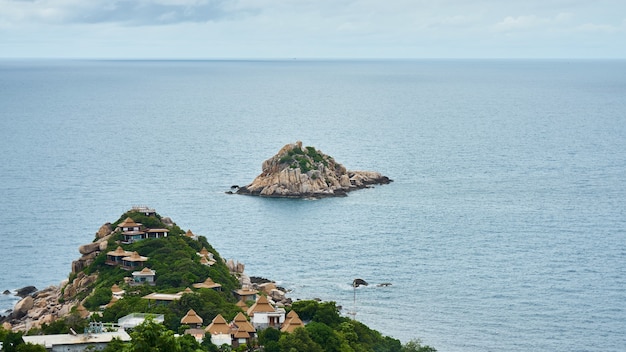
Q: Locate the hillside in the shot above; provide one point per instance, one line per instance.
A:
(143, 263)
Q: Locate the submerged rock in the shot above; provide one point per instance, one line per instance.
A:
(297, 172)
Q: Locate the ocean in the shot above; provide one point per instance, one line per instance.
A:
(504, 228)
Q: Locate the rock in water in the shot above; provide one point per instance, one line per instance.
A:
(297, 172)
(25, 291)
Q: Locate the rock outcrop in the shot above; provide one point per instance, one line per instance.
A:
(42, 307)
(297, 172)
(104, 230)
(91, 250)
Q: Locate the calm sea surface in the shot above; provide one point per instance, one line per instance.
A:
(505, 228)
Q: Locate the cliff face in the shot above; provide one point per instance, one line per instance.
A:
(298, 172)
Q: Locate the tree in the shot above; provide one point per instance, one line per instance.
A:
(300, 341)
(151, 336)
(324, 335)
(415, 345)
(11, 341)
(268, 338)
(115, 345)
(328, 314)
(30, 347)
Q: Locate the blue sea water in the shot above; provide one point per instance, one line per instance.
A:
(504, 228)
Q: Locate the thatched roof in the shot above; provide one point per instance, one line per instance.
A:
(262, 305)
(191, 318)
(218, 326)
(128, 223)
(119, 252)
(242, 323)
(135, 257)
(241, 304)
(292, 325)
(208, 283)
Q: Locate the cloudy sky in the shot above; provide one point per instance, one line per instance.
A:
(197, 29)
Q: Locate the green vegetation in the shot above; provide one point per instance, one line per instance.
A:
(12, 342)
(175, 260)
(307, 160)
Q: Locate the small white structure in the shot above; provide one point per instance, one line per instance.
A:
(145, 276)
(76, 342)
(191, 235)
(145, 210)
(129, 225)
(134, 319)
(157, 233)
(117, 292)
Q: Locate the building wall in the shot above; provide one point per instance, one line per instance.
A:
(221, 339)
(77, 348)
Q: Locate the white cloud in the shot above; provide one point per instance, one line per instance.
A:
(325, 28)
(602, 28)
(125, 12)
(521, 23)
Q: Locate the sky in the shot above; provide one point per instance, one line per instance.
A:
(285, 29)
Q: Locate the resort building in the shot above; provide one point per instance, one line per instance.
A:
(192, 319)
(145, 276)
(129, 225)
(133, 236)
(219, 330)
(197, 333)
(132, 320)
(292, 322)
(208, 283)
(207, 262)
(164, 298)
(144, 210)
(133, 261)
(263, 315)
(76, 342)
(191, 235)
(246, 294)
(242, 331)
(117, 291)
(116, 257)
(156, 233)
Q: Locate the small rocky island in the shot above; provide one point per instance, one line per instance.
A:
(297, 172)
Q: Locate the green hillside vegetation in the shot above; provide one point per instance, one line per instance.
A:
(177, 267)
(306, 159)
(175, 260)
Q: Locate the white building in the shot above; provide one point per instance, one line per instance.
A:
(263, 315)
(132, 320)
(76, 342)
